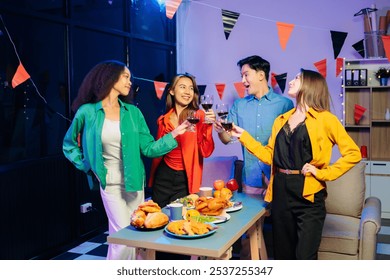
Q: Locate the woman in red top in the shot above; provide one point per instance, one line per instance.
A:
(179, 172)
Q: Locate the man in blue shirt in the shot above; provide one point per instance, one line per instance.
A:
(256, 113)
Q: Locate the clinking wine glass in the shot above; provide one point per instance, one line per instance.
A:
(193, 118)
(207, 102)
(223, 112)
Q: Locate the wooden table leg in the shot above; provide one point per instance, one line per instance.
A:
(260, 239)
(226, 256)
(145, 254)
(253, 241)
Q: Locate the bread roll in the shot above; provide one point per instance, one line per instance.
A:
(138, 218)
(156, 219)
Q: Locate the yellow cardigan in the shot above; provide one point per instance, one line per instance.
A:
(325, 130)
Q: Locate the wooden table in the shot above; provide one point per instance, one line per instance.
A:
(216, 246)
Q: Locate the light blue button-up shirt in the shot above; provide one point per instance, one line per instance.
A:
(257, 117)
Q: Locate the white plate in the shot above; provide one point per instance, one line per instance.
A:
(191, 236)
(224, 217)
(233, 208)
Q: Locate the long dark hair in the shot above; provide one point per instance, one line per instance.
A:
(98, 83)
(170, 101)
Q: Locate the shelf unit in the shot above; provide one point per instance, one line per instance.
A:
(372, 130)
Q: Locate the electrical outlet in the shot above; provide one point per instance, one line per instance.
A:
(86, 207)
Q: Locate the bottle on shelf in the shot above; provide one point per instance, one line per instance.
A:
(387, 114)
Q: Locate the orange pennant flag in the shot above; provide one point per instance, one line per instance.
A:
(273, 80)
(159, 87)
(321, 67)
(284, 32)
(240, 88)
(20, 76)
(220, 88)
(386, 45)
(171, 7)
(339, 65)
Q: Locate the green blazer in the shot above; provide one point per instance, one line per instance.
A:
(135, 139)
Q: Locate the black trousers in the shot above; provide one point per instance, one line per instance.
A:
(169, 184)
(296, 222)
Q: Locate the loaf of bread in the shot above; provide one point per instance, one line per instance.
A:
(156, 219)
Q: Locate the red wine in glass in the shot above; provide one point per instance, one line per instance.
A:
(193, 120)
(207, 106)
(222, 115)
(228, 126)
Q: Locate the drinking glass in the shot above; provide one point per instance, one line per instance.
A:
(193, 118)
(223, 112)
(207, 101)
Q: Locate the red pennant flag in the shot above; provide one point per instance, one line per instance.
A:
(159, 87)
(171, 7)
(273, 80)
(386, 45)
(339, 65)
(240, 88)
(321, 67)
(20, 76)
(284, 32)
(220, 88)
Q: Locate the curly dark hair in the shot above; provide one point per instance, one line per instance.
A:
(98, 82)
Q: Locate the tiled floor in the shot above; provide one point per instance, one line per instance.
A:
(96, 248)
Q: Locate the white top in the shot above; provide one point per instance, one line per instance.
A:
(112, 151)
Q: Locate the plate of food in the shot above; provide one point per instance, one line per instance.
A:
(197, 216)
(235, 207)
(190, 229)
(148, 216)
(188, 201)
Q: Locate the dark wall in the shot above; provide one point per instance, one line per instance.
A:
(58, 42)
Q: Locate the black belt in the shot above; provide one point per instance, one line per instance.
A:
(289, 171)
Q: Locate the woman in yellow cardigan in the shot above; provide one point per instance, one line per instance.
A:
(299, 150)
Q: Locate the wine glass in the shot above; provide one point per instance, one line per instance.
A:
(223, 112)
(207, 101)
(193, 118)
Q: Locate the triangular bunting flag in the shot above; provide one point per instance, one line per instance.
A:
(359, 47)
(284, 32)
(240, 88)
(20, 76)
(281, 80)
(321, 67)
(386, 45)
(171, 7)
(339, 65)
(338, 39)
(220, 89)
(229, 19)
(159, 87)
(273, 80)
(202, 89)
